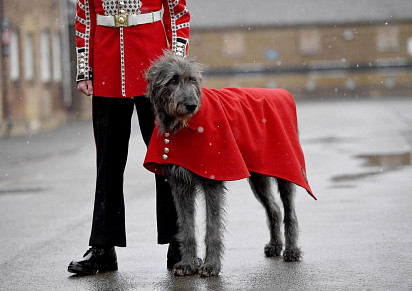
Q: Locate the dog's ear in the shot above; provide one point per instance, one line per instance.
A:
(150, 75)
(157, 69)
(149, 79)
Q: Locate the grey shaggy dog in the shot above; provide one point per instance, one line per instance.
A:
(174, 89)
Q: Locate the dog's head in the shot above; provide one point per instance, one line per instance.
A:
(174, 89)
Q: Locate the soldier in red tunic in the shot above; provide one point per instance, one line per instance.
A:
(116, 40)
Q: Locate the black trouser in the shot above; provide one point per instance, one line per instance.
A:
(112, 125)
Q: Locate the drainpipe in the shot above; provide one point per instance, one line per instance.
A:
(5, 51)
(66, 68)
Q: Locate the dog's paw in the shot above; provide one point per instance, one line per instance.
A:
(183, 269)
(208, 269)
(273, 250)
(292, 255)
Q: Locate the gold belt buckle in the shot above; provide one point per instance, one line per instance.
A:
(121, 20)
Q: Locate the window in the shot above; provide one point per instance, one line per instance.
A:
(409, 46)
(348, 34)
(310, 41)
(387, 39)
(57, 58)
(14, 57)
(28, 58)
(45, 67)
(233, 45)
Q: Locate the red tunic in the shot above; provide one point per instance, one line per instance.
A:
(118, 56)
(236, 131)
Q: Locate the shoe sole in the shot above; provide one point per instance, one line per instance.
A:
(82, 271)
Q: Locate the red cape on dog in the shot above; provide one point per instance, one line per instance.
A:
(236, 130)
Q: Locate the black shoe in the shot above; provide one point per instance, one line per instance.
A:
(173, 254)
(95, 260)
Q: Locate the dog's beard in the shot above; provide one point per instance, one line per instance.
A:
(173, 120)
(182, 118)
(185, 120)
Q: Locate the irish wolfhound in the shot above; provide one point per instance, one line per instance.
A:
(174, 89)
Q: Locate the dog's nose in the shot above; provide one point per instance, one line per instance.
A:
(191, 107)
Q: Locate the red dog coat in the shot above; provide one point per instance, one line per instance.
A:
(236, 131)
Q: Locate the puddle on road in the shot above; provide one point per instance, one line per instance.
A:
(380, 164)
(22, 190)
(17, 186)
(388, 161)
(329, 139)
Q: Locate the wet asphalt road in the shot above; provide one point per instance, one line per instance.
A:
(357, 236)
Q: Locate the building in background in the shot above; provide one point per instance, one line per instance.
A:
(36, 79)
(318, 48)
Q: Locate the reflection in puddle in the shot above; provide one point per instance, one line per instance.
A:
(329, 139)
(380, 163)
(353, 177)
(23, 190)
(388, 161)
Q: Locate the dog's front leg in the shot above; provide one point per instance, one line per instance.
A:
(215, 201)
(184, 195)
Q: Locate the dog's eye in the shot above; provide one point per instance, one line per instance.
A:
(174, 80)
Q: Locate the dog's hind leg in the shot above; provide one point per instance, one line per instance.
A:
(287, 192)
(215, 201)
(184, 195)
(261, 187)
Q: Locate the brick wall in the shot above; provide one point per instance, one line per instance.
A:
(324, 61)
